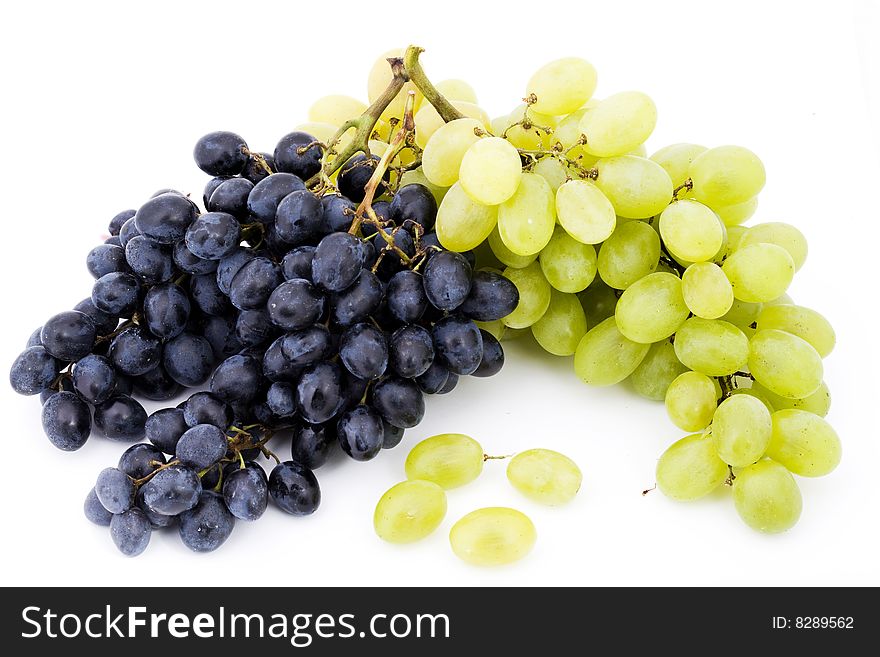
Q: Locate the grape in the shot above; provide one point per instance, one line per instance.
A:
(206, 408)
(767, 497)
(353, 178)
(201, 446)
(399, 402)
(207, 295)
(527, 219)
(116, 222)
(553, 171)
(294, 304)
(115, 490)
(585, 212)
(491, 297)
(135, 351)
(630, 254)
(69, 335)
(562, 86)
(298, 219)
(742, 314)
(104, 322)
(449, 460)
(405, 296)
(492, 359)
(526, 128)
(33, 371)
(493, 536)
(66, 420)
(605, 357)
(363, 350)
(411, 351)
(458, 344)
(462, 223)
(690, 469)
(652, 308)
(95, 511)
(94, 378)
(294, 488)
(409, 511)
(140, 460)
(294, 155)
(166, 310)
(568, 265)
(800, 321)
(819, 402)
(220, 153)
(443, 154)
(380, 77)
(619, 123)
(706, 291)
(691, 231)
(105, 259)
(636, 187)
(231, 197)
(505, 255)
(336, 109)
(759, 272)
(131, 531)
(711, 346)
(206, 526)
(319, 392)
(361, 433)
(164, 428)
(253, 286)
(691, 400)
(435, 377)
(545, 476)
(121, 418)
(741, 430)
(417, 176)
(264, 198)
(726, 175)
(783, 235)
(457, 90)
(534, 295)
(652, 378)
(413, 204)
(213, 236)
(188, 359)
(562, 326)
(490, 171)
(804, 443)
(172, 490)
(785, 364)
(676, 160)
(428, 120)
(116, 294)
(312, 444)
(737, 213)
(447, 280)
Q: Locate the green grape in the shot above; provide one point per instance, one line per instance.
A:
(515, 333)
(585, 212)
(495, 328)
(380, 77)
(782, 300)
(505, 255)
(553, 171)
(493, 536)
(336, 109)
(726, 175)
(441, 159)
(534, 295)
(676, 159)
(562, 86)
(711, 346)
(637, 187)
(322, 131)
(759, 272)
(409, 511)
(562, 326)
(631, 253)
(568, 134)
(527, 128)
(428, 120)
(605, 357)
(449, 460)
(652, 308)
(463, 223)
(743, 314)
(545, 476)
(690, 469)
(785, 364)
(456, 90)
(734, 235)
(619, 123)
(490, 171)
(819, 403)
(691, 400)
(706, 290)
(737, 213)
(780, 234)
(526, 220)
(767, 497)
(757, 394)
(638, 151)
(804, 443)
(599, 302)
(741, 429)
(568, 265)
(418, 176)
(691, 231)
(800, 321)
(651, 379)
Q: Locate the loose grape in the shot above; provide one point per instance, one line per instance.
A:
(409, 511)
(785, 364)
(652, 308)
(449, 460)
(545, 476)
(491, 171)
(767, 497)
(605, 357)
(741, 430)
(691, 401)
(493, 536)
(690, 468)
(804, 443)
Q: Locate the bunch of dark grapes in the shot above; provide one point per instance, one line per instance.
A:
(289, 324)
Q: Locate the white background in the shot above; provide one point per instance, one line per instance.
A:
(103, 103)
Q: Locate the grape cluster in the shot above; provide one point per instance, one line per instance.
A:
(302, 317)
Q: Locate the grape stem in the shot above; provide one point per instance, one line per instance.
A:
(486, 457)
(648, 490)
(687, 186)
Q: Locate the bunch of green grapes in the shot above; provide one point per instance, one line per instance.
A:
(639, 267)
